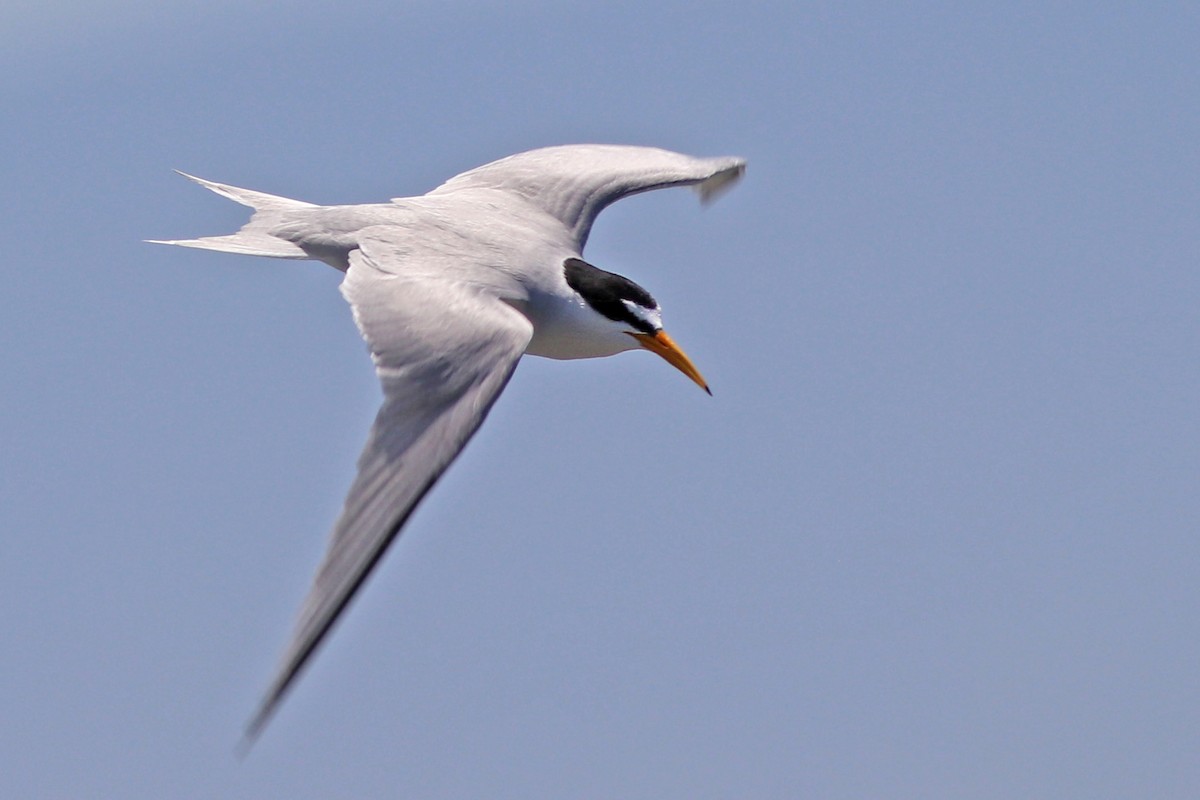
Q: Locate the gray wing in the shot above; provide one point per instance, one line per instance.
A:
(443, 353)
(574, 183)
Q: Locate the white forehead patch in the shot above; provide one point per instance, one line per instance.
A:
(651, 316)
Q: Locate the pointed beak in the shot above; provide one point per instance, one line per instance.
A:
(663, 345)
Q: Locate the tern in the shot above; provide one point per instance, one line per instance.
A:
(449, 289)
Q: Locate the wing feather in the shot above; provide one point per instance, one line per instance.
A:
(443, 352)
(574, 183)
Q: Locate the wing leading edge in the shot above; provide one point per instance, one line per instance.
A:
(443, 353)
(574, 183)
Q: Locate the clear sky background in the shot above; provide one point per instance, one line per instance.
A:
(935, 536)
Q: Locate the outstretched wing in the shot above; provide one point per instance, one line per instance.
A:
(574, 183)
(443, 352)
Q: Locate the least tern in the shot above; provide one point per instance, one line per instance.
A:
(449, 290)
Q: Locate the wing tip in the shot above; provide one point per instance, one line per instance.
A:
(263, 716)
(252, 732)
(722, 180)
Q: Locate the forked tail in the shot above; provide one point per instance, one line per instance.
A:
(254, 238)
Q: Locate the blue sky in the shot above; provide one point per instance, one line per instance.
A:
(934, 535)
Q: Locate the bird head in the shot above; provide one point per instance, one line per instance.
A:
(624, 302)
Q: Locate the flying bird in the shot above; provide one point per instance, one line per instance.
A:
(449, 290)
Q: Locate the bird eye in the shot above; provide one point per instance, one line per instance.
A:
(646, 320)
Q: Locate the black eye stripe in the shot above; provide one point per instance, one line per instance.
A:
(607, 292)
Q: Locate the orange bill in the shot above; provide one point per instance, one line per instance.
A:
(665, 346)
